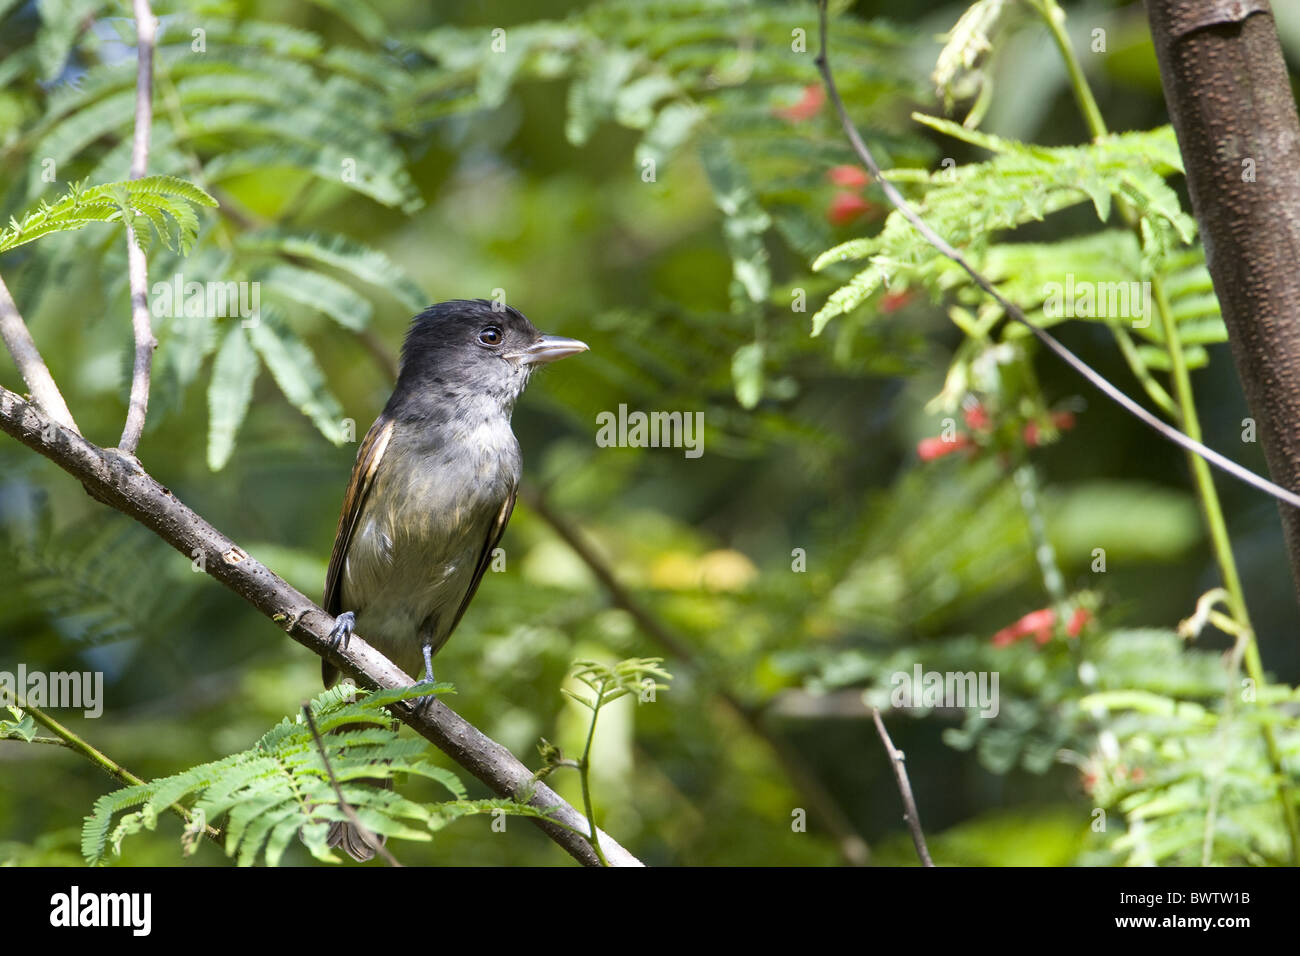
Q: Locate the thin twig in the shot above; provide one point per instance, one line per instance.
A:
(18, 339)
(366, 833)
(905, 788)
(52, 741)
(123, 484)
(101, 760)
(1099, 381)
(137, 266)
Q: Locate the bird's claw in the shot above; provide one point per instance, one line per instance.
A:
(341, 633)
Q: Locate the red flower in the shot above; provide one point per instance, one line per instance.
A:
(928, 449)
(893, 301)
(846, 207)
(1078, 620)
(1038, 623)
(809, 105)
(977, 418)
(850, 177)
(1064, 421)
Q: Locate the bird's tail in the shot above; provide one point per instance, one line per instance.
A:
(346, 835)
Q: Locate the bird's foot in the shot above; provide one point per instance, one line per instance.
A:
(341, 633)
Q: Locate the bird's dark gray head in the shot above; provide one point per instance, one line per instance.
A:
(472, 351)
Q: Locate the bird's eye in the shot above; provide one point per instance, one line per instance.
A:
(490, 336)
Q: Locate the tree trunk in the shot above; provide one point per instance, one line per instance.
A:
(1230, 100)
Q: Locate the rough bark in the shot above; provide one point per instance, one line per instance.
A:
(1230, 100)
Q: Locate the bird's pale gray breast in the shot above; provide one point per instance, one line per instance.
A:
(420, 534)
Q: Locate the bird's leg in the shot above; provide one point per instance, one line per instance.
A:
(427, 631)
(427, 649)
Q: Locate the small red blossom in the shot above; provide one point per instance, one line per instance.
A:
(1063, 421)
(1040, 624)
(1037, 623)
(846, 207)
(977, 418)
(1078, 620)
(893, 301)
(850, 177)
(809, 105)
(928, 449)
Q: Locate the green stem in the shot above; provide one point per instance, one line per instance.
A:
(1054, 17)
(100, 759)
(83, 747)
(1027, 483)
(1155, 391)
(584, 775)
(1222, 545)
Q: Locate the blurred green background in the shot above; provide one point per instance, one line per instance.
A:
(905, 561)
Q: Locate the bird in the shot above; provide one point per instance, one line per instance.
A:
(432, 489)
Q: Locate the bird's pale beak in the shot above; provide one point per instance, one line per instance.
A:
(550, 348)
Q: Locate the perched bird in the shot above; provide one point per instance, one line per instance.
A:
(432, 488)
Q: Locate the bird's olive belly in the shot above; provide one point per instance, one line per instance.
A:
(414, 555)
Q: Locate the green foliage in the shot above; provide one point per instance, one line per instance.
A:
(163, 201)
(1192, 776)
(229, 394)
(1193, 782)
(21, 727)
(969, 205)
(237, 101)
(77, 580)
(291, 363)
(670, 70)
(607, 684)
(279, 788)
(337, 252)
(654, 172)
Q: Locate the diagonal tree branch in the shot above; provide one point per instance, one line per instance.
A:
(136, 266)
(120, 482)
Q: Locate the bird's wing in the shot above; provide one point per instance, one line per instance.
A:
(369, 456)
(495, 531)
